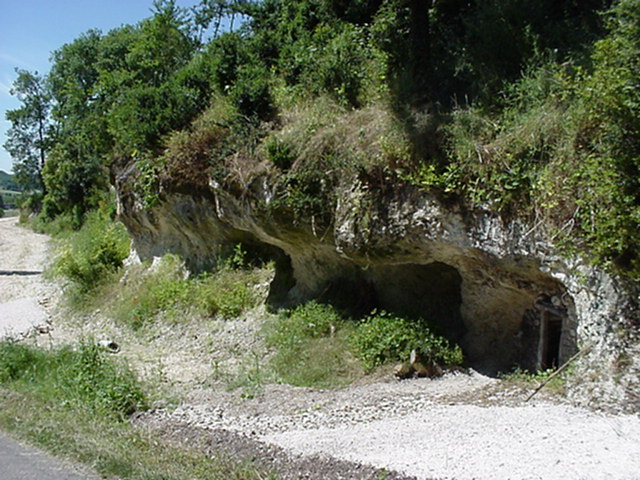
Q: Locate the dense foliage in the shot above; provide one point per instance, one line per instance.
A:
(315, 345)
(382, 338)
(92, 253)
(529, 108)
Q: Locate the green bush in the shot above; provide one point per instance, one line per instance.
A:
(251, 93)
(280, 154)
(17, 360)
(90, 255)
(82, 377)
(311, 347)
(382, 338)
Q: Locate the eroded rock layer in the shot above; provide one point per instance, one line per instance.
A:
(499, 288)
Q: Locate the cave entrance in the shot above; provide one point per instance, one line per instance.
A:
(418, 291)
(550, 336)
(429, 291)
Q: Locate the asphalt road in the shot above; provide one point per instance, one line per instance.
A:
(20, 462)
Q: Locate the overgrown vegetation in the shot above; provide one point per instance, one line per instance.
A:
(93, 254)
(317, 346)
(81, 378)
(529, 108)
(383, 337)
(311, 345)
(74, 401)
(166, 290)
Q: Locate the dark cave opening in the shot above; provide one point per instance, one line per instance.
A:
(502, 328)
(417, 291)
(548, 333)
(420, 291)
(427, 291)
(550, 342)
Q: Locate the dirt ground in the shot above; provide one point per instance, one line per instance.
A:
(464, 425)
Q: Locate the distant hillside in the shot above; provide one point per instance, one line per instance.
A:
(7, 182)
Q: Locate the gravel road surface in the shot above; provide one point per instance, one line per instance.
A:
(23, 294)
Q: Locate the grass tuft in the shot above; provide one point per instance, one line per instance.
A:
(167, 291)
(312, 347)
(78, 378)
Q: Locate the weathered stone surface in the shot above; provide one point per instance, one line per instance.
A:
(405, 250)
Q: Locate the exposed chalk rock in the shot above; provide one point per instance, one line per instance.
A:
(499, 288)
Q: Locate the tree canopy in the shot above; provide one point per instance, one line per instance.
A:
(490, 76)
(29, 138)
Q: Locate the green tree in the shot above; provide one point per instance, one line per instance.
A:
(147, 97)
(210, 14)
(76, 169)
(29, 138)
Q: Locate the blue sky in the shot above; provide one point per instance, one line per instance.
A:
(31, 29)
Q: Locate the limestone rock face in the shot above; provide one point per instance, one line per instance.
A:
(498, 288)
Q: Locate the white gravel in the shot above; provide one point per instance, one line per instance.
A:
(23, 292)
(457, 427)
(18, 318)
(466, 441)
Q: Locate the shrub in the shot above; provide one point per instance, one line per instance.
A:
(98, 249)
(16, 360)
(251, 93)
(382, 338)
(280, 154)
(82, 377)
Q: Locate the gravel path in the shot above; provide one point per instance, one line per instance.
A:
(23, 293)
(24, 298)
(458, 427)
(484, 443)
